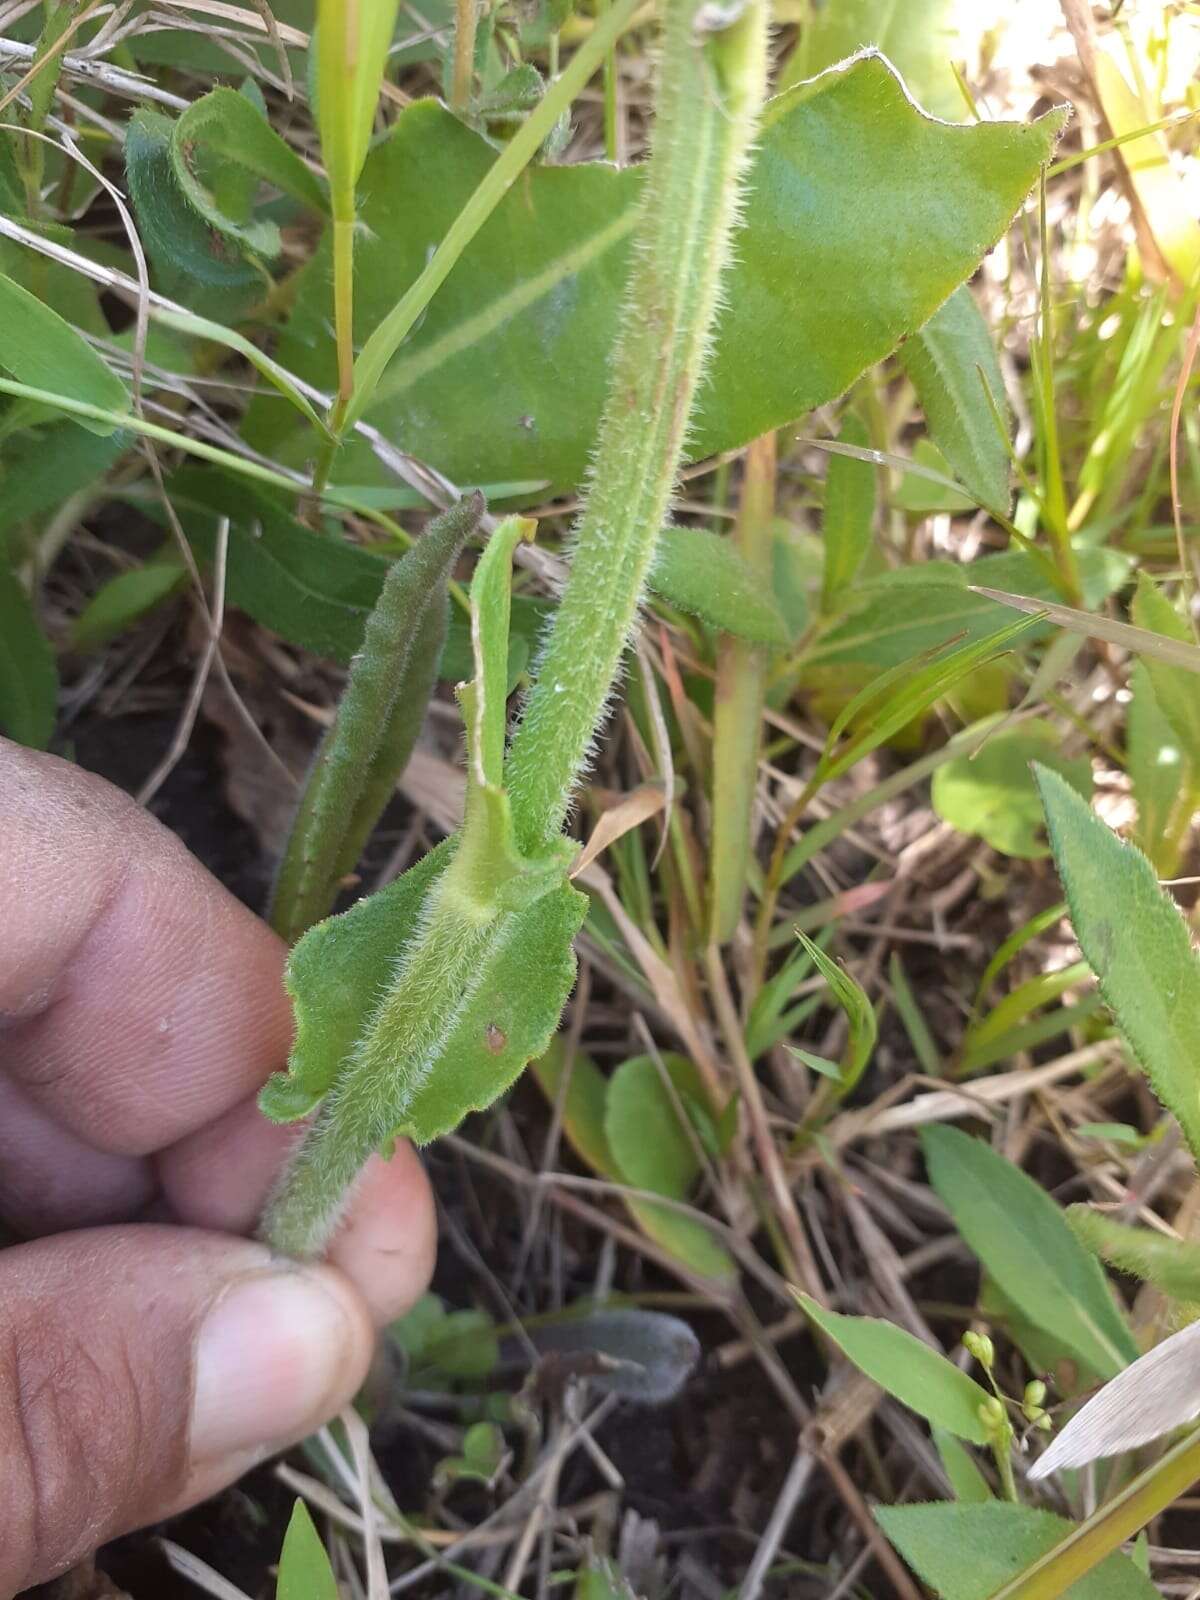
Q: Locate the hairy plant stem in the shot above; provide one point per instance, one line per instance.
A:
(466, 18)
(710, 90)
(710, 93)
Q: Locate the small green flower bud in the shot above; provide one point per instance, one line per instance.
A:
(981, 1347)
(1044, 1422)
(991, 1414)
(1032, 1401)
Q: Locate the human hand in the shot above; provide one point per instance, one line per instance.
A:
(148, 1355)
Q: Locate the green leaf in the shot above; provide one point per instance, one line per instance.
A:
(952, 363)
(41, 469)
(699, 571)
(967, 1482)
(993, 793)
(853, 999)
(920, 37)
(911, 610)
(42, 350)
(124, 600)
(340, 968)
(925, 492)
(1163, 780)
(1172, 1265)
(224, 130)
(351, 50)
(311, 589)
(1137, 943)
(585, 1125)
(515, 345)
(179, 241)
(650, 1146)
(1174, 689)
(908, 1369)
(464, 1345)
(28, 672)
(304, 1569)
(379, 717)
(1023, 1240)
(849, 513)
(967, 1552)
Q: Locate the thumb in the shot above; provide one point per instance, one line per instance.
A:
(143, 1368)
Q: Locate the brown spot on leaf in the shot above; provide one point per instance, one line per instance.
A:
(496, 1038)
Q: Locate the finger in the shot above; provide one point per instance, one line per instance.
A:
(220, 1178)
(50, 1179)
(141, 999)
(143, 1368)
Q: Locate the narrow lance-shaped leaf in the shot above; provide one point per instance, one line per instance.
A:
(1021, 1237)
(919, 1377)
(1172, 1265)
(352, 43)
(952, 363)
(304, 1569)
(852, 998)
(701, 572)
(378, 720)
(1177, 695)
(28, 673)
(39, 348)
(1137, 943)
(849, 512)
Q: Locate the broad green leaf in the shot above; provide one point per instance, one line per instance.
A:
(1021, 1237)
(41, 469)
(919, 37)
(849, 513)
(464, 1345)
(699, 571)
(1162, 778)
(39, 348)
(1174, 689)
(334, 976)
(968, 1552)
(651, 1147)
(952, 363)
(1137, 943)
(584, 1123)
(304, 1569)
(1172, 1265)
(225, 130)
(993, 793)
(850, 185)
(340, 968)
(967, 1482)
(182, 246)
(902, 614)
(28, 672)
(124, 600)
(908, 1369)
(352, 43)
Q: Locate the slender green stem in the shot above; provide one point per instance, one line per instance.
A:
(500, 177)
(737, 711)
(1109, 1527)
(709, 97)
(466, 18)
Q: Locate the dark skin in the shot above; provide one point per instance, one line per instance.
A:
(150, 1351)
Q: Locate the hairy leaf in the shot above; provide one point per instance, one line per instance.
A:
(968, 1552)
(699, 571)
(39, 348)
(952, 363)
(1172, 1265)
(1174, 688)
(1023, 1240)
(517, 340)
(1137, 943)
(907, 1368)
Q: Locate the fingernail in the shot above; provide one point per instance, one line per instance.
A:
(273, 1360)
